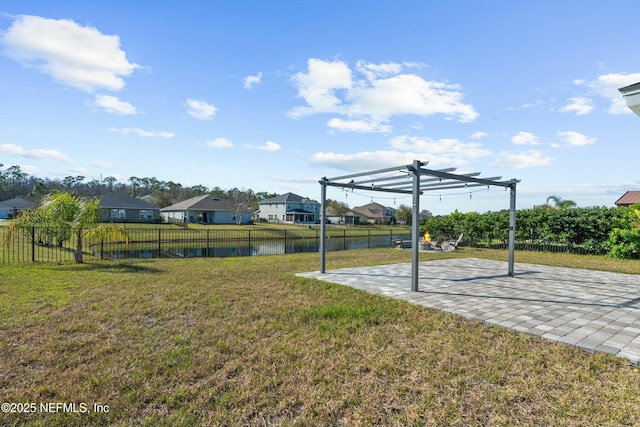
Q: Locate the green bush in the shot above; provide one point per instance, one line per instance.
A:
(624, 243)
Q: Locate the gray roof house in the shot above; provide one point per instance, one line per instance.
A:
(207, 209)
(120, 207)
(372, 213)
(10, 208)
(289, 208)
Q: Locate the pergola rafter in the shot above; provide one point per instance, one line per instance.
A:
(406, 179)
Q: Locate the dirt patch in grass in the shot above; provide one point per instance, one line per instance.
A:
(246, 342)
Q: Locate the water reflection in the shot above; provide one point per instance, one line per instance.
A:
(243, 248)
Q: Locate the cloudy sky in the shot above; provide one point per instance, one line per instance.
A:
(274, 95)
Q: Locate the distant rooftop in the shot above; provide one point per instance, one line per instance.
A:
(629, 198)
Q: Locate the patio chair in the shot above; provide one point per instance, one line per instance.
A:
(457, 242)
(439, 243)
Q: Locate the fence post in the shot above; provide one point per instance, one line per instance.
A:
(206, 249)
(159, 248)
(285, 241)
(249, 242)
(369, 239)
(33, 244)
(344, 239)
(102, 248)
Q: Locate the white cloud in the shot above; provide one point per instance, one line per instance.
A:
(375, 71)
(112, 104)
(143, 133)
(33, 153)
(219, 143)
(318, 85)
(409, 94)
(102, 164)
(525, 159)
(250, 81)
(74, 55)
(80, 171)
(459, 151)
(479, 135)
(579, 105)
(404, 150)
(382, 92)
(575, 138)
(360, 126)
(607, 86)
(362, 161)
(525, 138)
(200, 109)
(269, 146)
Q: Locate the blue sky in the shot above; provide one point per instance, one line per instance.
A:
(274, 95)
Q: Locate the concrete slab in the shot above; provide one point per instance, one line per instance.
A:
(593, 310)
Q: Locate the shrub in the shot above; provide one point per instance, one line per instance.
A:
(624, 243)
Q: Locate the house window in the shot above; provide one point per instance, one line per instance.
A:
(118, 214)
(146, 214)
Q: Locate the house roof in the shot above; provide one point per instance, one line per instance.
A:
(123, 201)
(287, 198)
(630, 89)
(207, 202)
(17, 203)
(371, 210)
(629, 198)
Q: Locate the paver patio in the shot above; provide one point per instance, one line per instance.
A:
(593, 310)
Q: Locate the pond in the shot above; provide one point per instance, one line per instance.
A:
(254, 248)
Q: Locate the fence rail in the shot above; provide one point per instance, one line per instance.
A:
(36, 244)
(544, 247)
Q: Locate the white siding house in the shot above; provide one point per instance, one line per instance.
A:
(289, 208)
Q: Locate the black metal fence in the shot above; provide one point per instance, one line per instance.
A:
(544, 247)
(34, 244)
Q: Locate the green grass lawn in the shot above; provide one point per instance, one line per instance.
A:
(243, 341)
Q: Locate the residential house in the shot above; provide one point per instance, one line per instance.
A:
(10, 208)
(629, 198)
(289, 208)
(372, 213)
(207, 209)
(120, 207)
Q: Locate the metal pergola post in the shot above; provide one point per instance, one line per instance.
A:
(323, 223)
(512, 227)
(415, 226)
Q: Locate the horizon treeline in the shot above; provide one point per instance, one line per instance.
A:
(14, 182)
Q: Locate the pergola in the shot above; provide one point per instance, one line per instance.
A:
(395, 180)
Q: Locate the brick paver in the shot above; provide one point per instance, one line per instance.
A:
(593, 310)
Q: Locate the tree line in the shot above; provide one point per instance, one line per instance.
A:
(14, 182)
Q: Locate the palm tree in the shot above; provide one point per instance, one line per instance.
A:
(560, 203)
(62, 216)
